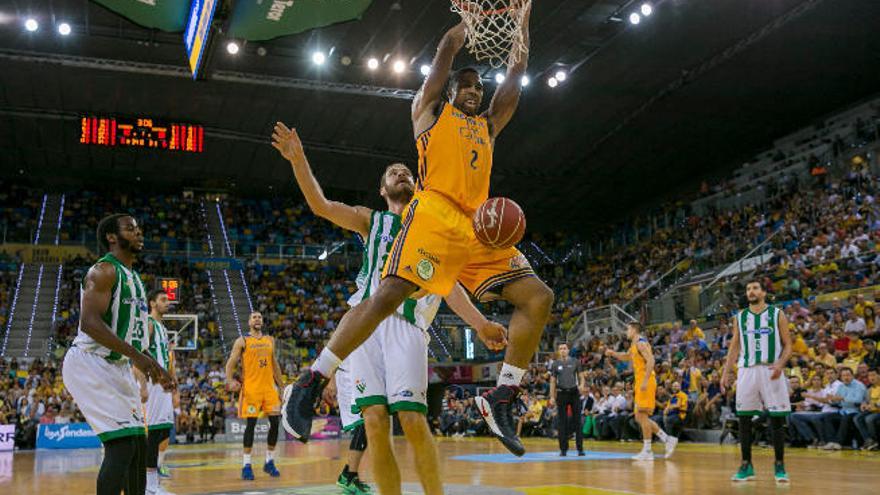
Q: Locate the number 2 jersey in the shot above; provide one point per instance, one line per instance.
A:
(455, 158)
(126, 315)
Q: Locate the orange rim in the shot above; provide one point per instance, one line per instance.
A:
(460, 4)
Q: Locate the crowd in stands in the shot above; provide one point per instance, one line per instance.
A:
(823, 237)
(833, 381)
(19, 207)
(31, 395)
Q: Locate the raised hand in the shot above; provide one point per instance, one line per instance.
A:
(287, 142)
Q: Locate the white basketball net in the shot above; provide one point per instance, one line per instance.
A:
(494, 29)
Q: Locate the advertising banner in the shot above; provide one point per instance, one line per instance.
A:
(7, 437)
(267, 19)
(69, 436)
(167, 15)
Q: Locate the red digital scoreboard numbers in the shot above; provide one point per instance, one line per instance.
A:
(171, 286)
(120, 132)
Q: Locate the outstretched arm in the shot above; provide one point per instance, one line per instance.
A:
(491, 333)
(506, 97)
(354, 218)
(431, 93)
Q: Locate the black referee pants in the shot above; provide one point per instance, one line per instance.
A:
(565, 399)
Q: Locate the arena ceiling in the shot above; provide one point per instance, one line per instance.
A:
(647, 111)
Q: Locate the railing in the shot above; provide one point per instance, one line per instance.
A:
(605, 320)
(746, 262)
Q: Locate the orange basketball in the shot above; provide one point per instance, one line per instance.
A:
(499, 223)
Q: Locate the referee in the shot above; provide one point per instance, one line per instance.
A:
(564, 377)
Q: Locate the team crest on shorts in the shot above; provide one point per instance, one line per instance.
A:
(251, 409)
(518, 261)
(425, 269)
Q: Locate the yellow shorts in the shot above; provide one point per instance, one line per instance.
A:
(646, 400)
(436, 247)
(252, 404)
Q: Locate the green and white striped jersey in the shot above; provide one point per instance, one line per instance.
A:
(126, 316)
(384, 227)
(759, 337)
(159, 343)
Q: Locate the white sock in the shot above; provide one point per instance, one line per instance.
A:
(161, 458)
(326, 363)
(152, 480)
(247, 459)
(662, 436)
(646, 445)
(510, 375)
(270, 455)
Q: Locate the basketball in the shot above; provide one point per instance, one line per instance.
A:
(499, 223)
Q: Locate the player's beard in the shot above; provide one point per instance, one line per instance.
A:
(400, 193)
(129, 246)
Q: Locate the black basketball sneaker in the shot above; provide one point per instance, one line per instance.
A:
(496, 407)
(300, 400)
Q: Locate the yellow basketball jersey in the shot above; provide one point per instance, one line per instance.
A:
(455, 158)
(638, 360)
(257, 364)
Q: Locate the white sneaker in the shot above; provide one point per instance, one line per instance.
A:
(671, 443)
(645, 455)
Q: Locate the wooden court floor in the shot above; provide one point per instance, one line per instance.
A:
(468, 465)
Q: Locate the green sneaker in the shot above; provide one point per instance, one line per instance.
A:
(358, 487)
(780, 474)
(342, 482)
(746, 473)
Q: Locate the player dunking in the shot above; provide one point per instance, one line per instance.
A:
(261, 374)
(645, 386)
(761, 347)
(160, 404)
(437, 246)
(389, 372)
(109, 341)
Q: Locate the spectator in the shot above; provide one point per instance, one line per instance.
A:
(675, 412)
(850, 395)
(854, 324)
(869, 417)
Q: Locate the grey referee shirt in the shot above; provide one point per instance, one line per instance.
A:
(566, 373)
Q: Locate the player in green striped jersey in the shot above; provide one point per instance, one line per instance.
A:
(390, 368)
(110, 340)
(761, 347)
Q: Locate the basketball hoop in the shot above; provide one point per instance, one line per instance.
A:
(494, 29)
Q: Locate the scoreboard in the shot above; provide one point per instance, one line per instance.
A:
(171, 286)
(120, 132)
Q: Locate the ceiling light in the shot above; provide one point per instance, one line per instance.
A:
(524, 81)
(560, 75)
(64, 29)
(647, 9)
(373, 64)
(232, 47)
(399, 67)
(31, 25)
(319, 58)
(425, 69)
(552, 82)
(499, 78)
(345, 60)
(635, 18)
